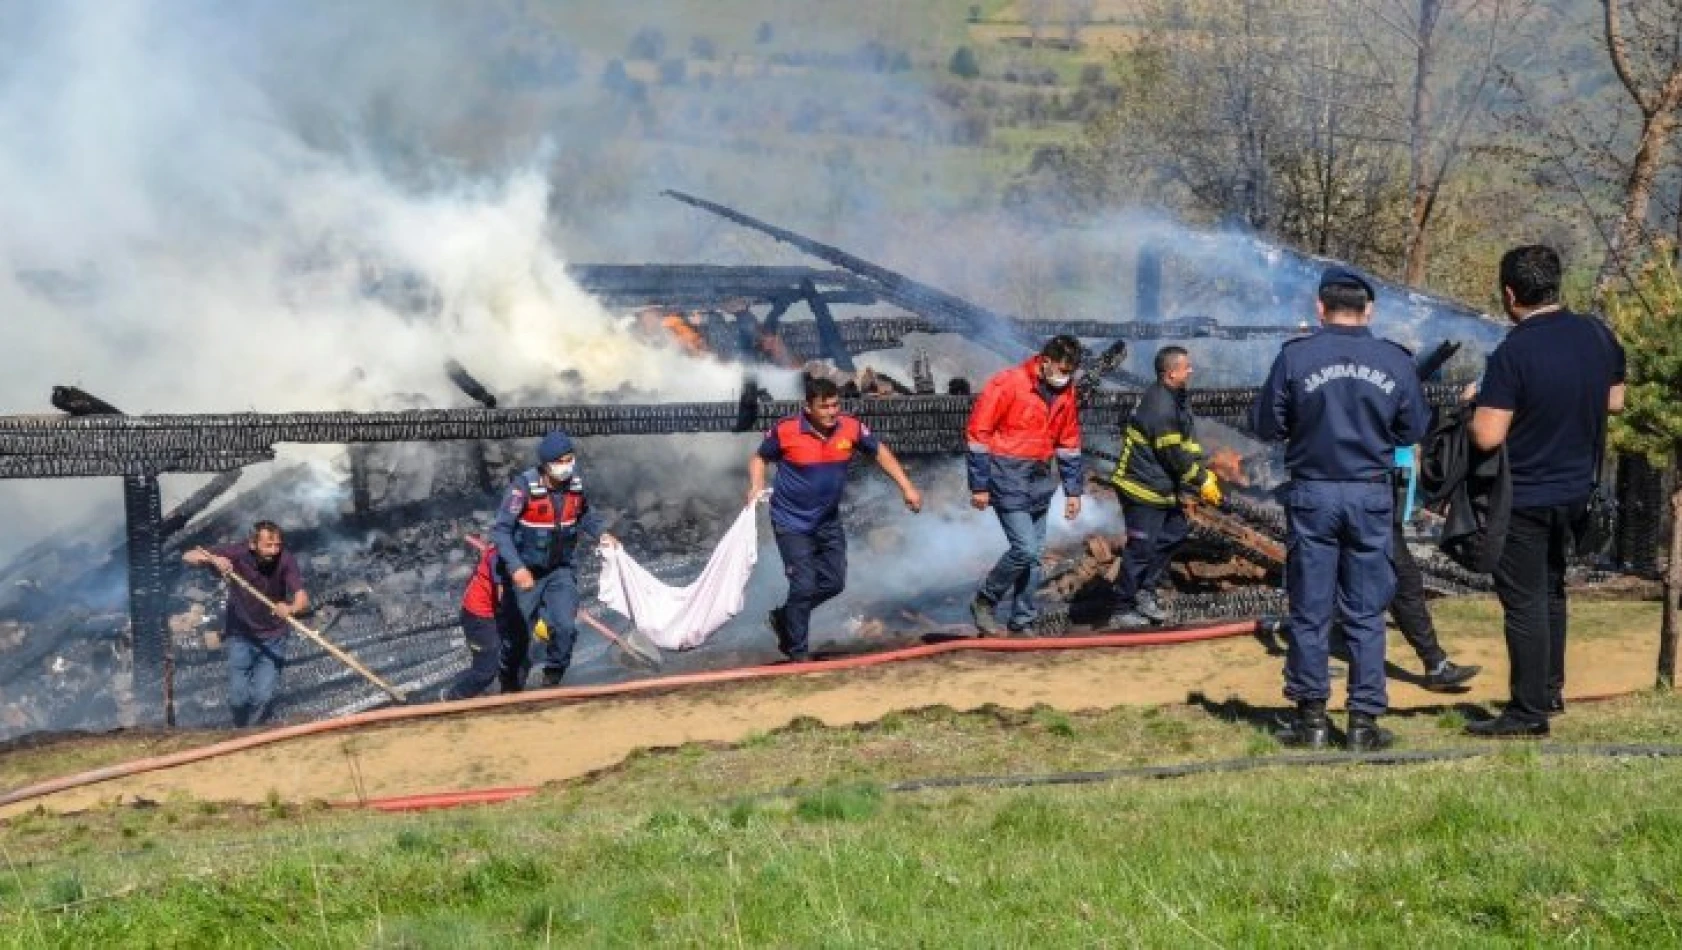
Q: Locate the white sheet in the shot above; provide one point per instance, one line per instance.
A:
(681, 618)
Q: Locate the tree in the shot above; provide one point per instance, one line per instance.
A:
(963, 64)
(1644, 41)
(1648, 318)
(1456, 48)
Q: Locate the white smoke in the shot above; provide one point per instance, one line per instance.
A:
(177, 237)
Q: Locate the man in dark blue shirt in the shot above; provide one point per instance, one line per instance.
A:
(812, 452)
(1342, 399)
(1546, 392)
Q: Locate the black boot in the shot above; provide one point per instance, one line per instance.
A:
(552, 676)
(1448, 676)
(1365, 735)
(981, 611)
(1308, 730)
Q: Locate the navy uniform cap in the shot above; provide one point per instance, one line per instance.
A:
(1340, 276)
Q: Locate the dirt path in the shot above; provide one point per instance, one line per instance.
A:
(533, 745)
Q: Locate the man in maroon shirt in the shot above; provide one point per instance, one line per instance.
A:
(255, 633)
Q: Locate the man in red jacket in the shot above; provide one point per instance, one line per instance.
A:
(1024, 419)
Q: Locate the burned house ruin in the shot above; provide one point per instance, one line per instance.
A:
(94, 638)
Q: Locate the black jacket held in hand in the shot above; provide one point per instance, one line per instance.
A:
(1474, 487)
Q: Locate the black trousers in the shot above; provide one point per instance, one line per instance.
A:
(816, 565)
(1153, 534)
(1530, 581)
(486, 643)
(1408, 608)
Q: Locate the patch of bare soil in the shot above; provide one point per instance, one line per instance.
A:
(532, 745)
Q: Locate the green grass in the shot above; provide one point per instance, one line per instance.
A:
(791, 837)
(1481, 616)
(682, 847)
(1507, 850)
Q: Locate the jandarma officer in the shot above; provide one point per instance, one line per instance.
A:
(1342, 400)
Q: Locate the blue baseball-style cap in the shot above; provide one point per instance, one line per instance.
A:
(1338, 275)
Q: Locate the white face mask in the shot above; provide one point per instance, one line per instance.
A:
(561, 471)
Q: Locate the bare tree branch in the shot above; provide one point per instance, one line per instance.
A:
(1616, 45)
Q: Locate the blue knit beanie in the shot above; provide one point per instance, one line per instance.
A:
(553, 446)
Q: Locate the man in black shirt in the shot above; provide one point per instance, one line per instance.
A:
(1546, 393)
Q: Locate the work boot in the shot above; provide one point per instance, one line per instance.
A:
(981, 611)
(778, 623)
(1448, 676)
(1365, 735)
(1149, 609)
(1309, 729)
(1556, 704)
(511, 683)
(552, 676)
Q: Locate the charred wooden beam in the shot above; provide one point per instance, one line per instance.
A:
(1252, 544)
(987, 327)
(829, 338)
(148, 601)
(79, 402)
(197, 502)
(465, 382)
(48, 447)
(704, 285)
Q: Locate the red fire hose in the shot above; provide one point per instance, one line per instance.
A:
(633, 687)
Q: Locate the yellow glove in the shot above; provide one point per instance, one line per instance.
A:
(1211, 491)
(540, 630)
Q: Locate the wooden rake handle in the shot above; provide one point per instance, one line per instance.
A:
(320, 640)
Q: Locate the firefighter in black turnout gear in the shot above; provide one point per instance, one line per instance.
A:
(1160, 462)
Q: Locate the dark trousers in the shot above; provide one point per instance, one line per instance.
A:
(485, 638)
(1153, 534)
(254, 668)
(1338, 563)
(1408, 608)
(1530, 581)
(553, 599)
(816, 564)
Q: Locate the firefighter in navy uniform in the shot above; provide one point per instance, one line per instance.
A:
(536, 536)
(1342, 400)
(1160, 461)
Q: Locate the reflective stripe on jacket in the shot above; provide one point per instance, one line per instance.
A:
(537, 530)
(1159, 451)
(1016, 428)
